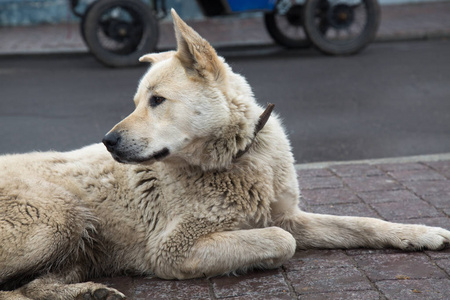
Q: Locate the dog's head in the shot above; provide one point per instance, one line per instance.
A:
(187, 107)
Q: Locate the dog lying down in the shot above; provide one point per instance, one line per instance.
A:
(199, 181)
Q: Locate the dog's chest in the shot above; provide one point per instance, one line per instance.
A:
(167, 194)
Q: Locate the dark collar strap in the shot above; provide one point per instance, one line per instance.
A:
(260, 125)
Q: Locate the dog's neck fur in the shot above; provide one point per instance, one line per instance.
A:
(263, 118)
(223, 152)
(229, 145)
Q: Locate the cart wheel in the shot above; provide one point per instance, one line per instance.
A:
(341, 27)
(83, 22)
(118, 32)
(287, 29)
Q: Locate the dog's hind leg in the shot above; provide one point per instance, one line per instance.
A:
(12, 295)
(43, 228)
(234, 251)
(327, 231)
(59, 286)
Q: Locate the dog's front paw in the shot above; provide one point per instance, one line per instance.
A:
(102, 293)
(424, 237)
(436, 238)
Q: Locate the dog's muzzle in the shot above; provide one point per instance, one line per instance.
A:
(124, 154)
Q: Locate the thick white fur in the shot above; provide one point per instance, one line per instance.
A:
(199, 211)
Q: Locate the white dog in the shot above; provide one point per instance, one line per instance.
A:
(202, 183)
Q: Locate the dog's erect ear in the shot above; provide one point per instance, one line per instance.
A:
(197, 56)
(156, 57)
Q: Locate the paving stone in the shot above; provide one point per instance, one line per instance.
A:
(430, 289)
(310, 259)
(401, 166)
(303, 205)
(351, 295)
(265, 282)
(154, 288)
(365, 251)
(398, 266)
(439, 165)
(367, 184)
(416, 175)
(442, 167)
(320, 182)
(306, 173)
(283, 296)
(322, 280)
(387, 196)
(329, 196)
(446, 211)
(444, 264)
(441, 200)
(425, 188)
(359, 210)
(441, 254)
(406, 209)
(123, 284)
(356, 170)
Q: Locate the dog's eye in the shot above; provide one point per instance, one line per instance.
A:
(156, 100)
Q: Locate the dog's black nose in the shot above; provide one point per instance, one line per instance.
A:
(111, 140)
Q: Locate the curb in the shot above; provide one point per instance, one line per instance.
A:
(404, 159)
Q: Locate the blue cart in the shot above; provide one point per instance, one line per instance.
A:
(118, 32)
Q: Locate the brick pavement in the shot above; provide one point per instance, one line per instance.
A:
(406, 192)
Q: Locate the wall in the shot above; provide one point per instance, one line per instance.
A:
(30, 12)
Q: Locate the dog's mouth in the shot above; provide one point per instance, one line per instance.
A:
(127, 159)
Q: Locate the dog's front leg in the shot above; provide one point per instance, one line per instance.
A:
(233, 251)
(328, 231)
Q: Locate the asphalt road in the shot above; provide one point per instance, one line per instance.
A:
(391, 100)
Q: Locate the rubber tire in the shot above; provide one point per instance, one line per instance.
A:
(355, 45)
(83, 22)
(147, 44)
(278, 36)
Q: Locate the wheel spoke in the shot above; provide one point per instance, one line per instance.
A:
(339, 26)
(288, 27)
